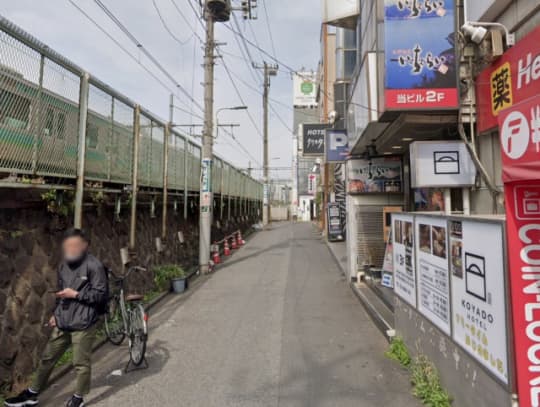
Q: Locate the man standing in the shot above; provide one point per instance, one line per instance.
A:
(82, 295)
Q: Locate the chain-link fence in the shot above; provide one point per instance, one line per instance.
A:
(40, 99)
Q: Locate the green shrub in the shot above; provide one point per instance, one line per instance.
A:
(427, 385)
(164, 274)
(399, 352)
(424, 376)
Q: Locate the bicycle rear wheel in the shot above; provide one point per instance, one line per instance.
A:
(114, 323)
(138, 334)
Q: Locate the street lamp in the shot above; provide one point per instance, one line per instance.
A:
(216, 121)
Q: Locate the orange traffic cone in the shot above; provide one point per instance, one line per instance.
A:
(240, 241)
(215, 255)
(226, 249)
(234, 246)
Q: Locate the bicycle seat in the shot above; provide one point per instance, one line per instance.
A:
(134, 297)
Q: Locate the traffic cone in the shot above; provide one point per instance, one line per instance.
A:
(226, 249)
(240, 241)
(215, 255)
(234, 246)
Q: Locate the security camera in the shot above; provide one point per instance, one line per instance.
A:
(477, 34)
(478, 31)
(333, 116)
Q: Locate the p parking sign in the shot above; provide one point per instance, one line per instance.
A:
(336, 146)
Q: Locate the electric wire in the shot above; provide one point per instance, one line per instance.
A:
(148, 54)
(171, 33)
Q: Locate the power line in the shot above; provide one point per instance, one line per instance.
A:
(188, 23)
(240, 96)
(164, 23)
(269, 29)
(149, 55)
(133, 57)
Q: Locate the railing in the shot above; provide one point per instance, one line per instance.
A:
(44, 133)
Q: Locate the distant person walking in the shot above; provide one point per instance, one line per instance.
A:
(81, 297)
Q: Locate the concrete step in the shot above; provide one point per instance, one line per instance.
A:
(378, 310)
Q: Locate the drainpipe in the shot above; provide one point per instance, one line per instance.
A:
(134, 176)
(81, 151)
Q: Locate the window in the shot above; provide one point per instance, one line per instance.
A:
(60, 125)
(49, 123)
(14, 110)
(92, 136)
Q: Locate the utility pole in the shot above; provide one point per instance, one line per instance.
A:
(214, 11)
(206, 199)
(269, 70)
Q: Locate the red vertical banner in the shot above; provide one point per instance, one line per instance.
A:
(523, 235)
(520, 146)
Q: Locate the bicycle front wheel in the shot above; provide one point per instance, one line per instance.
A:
(138, 335)
(114, 323)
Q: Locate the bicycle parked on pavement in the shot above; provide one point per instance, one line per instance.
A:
(126, 317)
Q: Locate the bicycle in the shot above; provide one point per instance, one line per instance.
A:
(126, 317)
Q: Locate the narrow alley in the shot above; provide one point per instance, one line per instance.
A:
(276, 325)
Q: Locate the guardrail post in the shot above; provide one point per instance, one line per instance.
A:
(37, 117)
(135, 176)
(167, 136)
(186, 156)
(81, 151)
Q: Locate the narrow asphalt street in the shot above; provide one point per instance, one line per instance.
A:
(277, 325)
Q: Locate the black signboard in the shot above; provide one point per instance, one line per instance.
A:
(313, 139)
(335, 230)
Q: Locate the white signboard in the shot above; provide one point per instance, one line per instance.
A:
(441, 164)
(433, 275)
(404, 257)
(478, 293)
(305, 89)
(335, 10)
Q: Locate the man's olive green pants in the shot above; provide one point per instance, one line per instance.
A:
(82, 343)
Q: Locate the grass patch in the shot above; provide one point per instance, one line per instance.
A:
(399, 352)
(152, 295)
(424, 376)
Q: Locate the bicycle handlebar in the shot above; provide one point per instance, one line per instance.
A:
(130, 270)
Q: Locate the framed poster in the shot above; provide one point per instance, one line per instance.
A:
(376, 175)
(335, 230)
(433, 273)
(404, 257)
(478, 292)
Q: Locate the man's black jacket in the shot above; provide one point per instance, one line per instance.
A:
(89, 278)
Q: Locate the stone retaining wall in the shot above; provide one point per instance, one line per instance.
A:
(29, 254)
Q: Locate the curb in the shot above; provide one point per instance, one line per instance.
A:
(382, 324)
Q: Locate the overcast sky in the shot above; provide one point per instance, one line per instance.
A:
(295, 26)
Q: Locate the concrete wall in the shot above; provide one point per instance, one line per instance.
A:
(29, 254)
(279, 213)
(466, 381)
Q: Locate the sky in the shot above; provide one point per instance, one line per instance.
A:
(294, 27)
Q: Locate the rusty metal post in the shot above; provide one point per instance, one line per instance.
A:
(81, 150)
(165, 180)
(135, 176)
